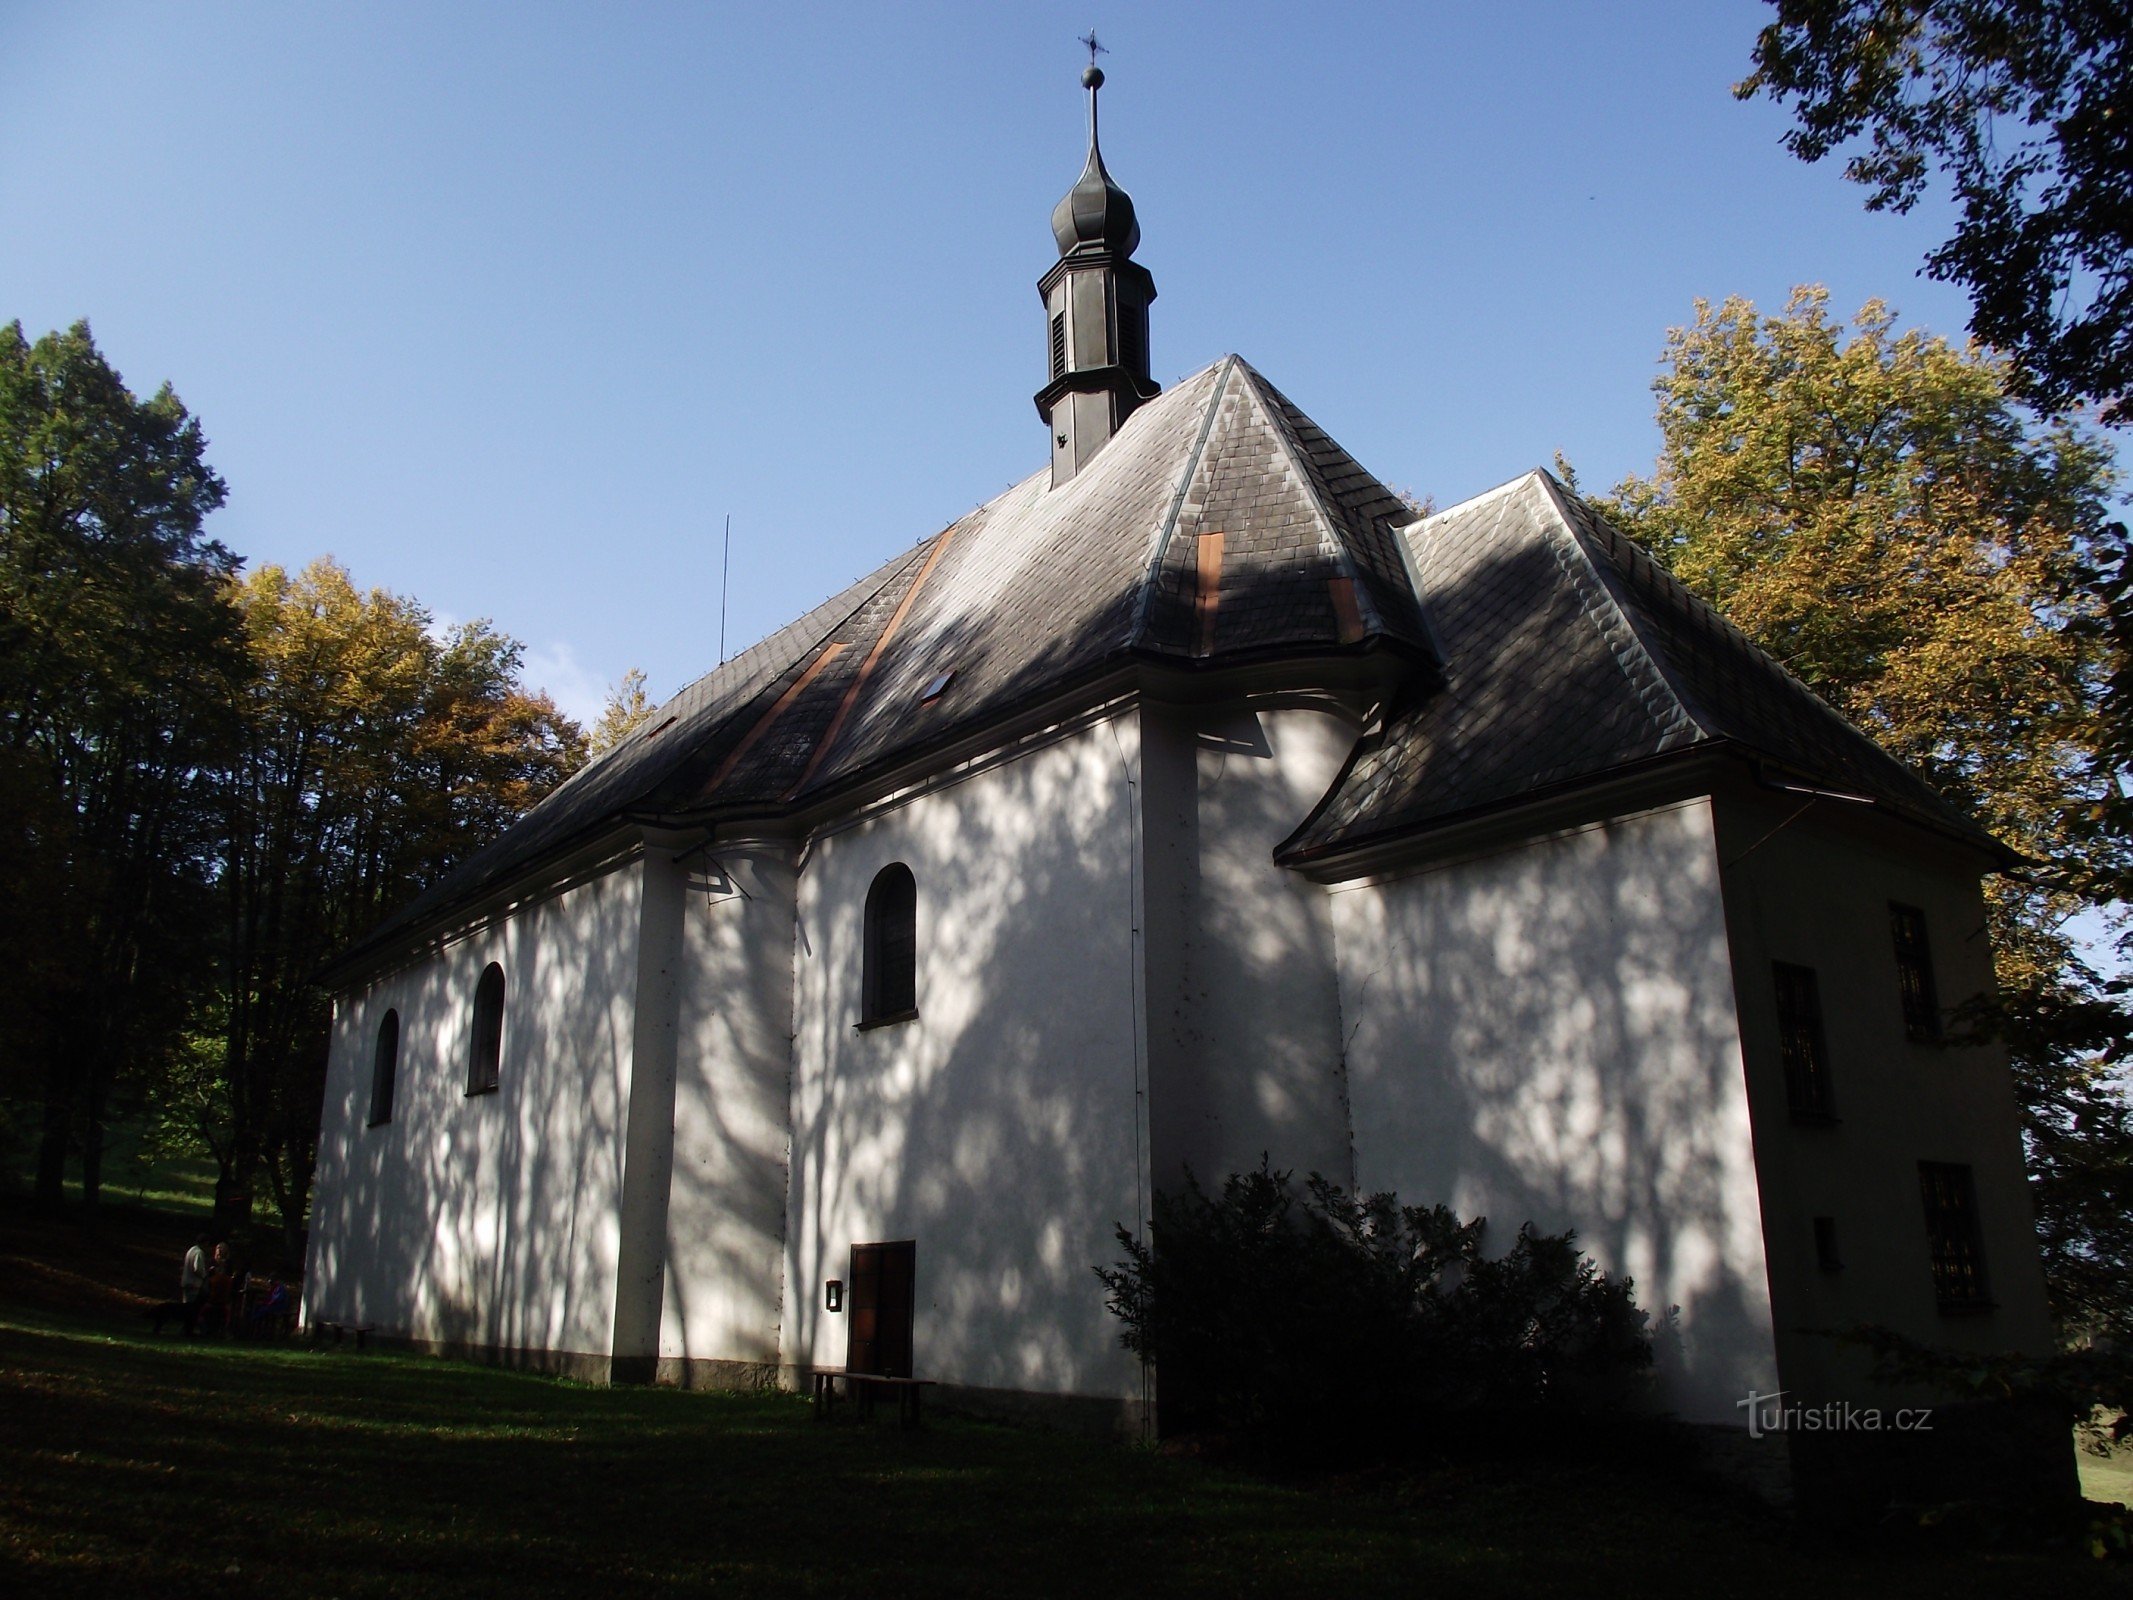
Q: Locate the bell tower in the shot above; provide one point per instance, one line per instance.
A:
(1096, 310)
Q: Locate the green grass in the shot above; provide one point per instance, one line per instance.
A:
(136, 1466)
(130, 1176)
(2108, 1477)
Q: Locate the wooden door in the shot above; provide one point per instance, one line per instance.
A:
(880, 1300)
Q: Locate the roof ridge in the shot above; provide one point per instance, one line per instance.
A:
(1508, 486)
(1137, 631)
(1636, 649)
(1704, 614)
(1276, 405)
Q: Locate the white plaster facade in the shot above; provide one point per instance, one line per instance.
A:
(1547, 1033)
(1246, 823)
(1118, 983)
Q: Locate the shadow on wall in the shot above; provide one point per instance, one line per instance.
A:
(1001, 1127)
(1548, 1034)
(487, 1219)
(724, 1210)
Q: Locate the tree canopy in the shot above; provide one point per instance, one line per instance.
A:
(2024, 106)
(628, 705)
(117, 657)
(207, 783)
(373, 757)
(1878, 510)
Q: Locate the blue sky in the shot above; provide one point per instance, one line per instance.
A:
(507, 307)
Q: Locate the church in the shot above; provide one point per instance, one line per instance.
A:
(1193, 801)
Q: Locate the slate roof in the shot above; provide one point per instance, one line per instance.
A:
(1219, 526)
(1222, 526)
(1569, 653)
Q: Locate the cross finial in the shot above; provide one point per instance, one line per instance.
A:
(1092, 77)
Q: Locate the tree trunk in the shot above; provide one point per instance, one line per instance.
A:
(52, 1141)
(290, 1179)
(233, 1200)
(92, 1155)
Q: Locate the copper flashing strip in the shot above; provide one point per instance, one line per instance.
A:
(1348, 621)
(828, 653)
(1177, 503)
(1207, 592)
(866, 667)
(1332, 525)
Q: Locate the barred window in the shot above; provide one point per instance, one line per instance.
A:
(384, 1068)
(1802, 1044)
(485, 1065)
(1951, 1232)
(1059, 345)
(1914, 972)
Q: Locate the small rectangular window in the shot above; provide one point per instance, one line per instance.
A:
(1802, 1044)
(1059, 345)
(1826, 1256)
(1914, 972)
(1951, 1232)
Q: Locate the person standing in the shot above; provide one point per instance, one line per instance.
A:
(192, 1284)
(221, 1290)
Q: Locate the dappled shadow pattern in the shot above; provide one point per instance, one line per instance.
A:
(1548, 1035)
(487, 1219)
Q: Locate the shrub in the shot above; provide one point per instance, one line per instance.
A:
(1341, 1320)
(2088, 1390)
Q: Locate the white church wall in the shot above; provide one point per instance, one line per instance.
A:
(724, 1227)
(1547, 1034)
(1001, 1127)
(1811, 885)
(1244, 1005)
(486, 1220)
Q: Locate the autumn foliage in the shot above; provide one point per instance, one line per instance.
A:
(208, 782)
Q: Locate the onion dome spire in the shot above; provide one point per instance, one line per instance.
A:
(1095, 310)
(1096, 211)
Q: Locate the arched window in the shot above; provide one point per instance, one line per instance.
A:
(384, 1067)
(889, 992)
(484, 1067)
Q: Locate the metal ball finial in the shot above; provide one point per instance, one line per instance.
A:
(1092, 76)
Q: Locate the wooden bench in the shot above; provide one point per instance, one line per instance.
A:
(340, 1330)
(866, 1388)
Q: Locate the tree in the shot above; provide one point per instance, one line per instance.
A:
(627, 709)
(373, 758)
(116, 659)
(2025, 106)
(1881, 514)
